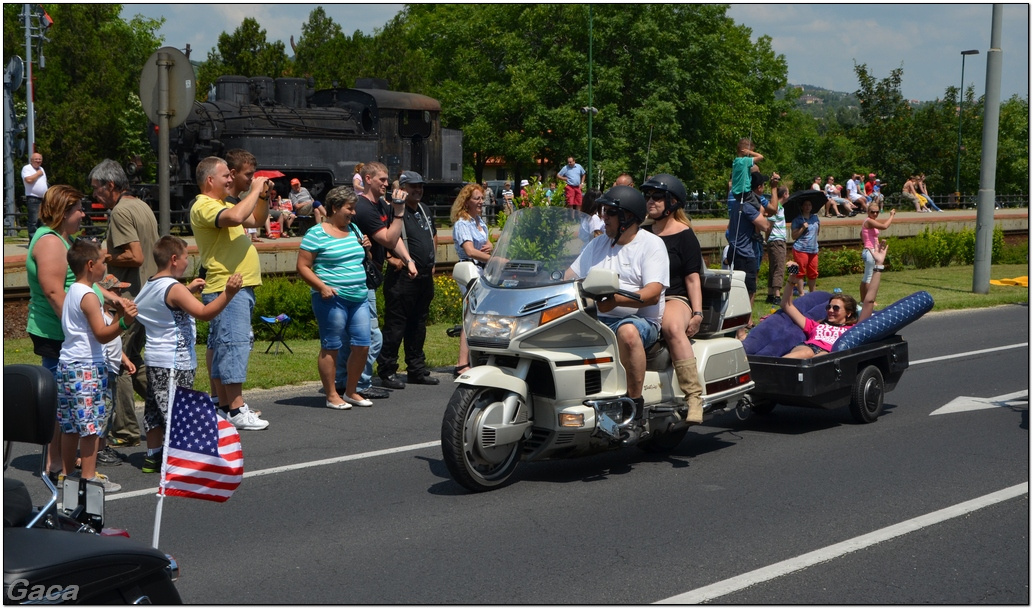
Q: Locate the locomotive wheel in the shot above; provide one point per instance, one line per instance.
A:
(476, 467)
(866, 396)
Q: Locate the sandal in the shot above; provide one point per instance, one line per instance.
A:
(458, 370)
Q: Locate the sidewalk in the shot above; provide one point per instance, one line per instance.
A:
(279, 256)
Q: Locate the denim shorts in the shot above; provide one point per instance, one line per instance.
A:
(339, 318)
(230, 337)
(869, 265)
(647, 330)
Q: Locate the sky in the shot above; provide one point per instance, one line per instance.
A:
(819, 45)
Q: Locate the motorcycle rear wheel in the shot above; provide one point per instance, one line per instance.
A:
(663, 443)
(476, 468)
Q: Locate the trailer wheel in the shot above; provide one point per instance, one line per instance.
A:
(763, 407)
(867, 394)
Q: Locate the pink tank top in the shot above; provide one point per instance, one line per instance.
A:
(869, 236)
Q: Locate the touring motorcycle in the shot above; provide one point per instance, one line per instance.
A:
(546, 380)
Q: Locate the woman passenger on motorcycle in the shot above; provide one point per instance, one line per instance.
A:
(470, 236)
(840, 314)
(683, 301)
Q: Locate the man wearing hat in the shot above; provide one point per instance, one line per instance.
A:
(304, 204)
(132, 233)
(407, 299)
(641, 261)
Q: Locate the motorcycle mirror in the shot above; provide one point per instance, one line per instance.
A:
(600, 282)
(464, 272)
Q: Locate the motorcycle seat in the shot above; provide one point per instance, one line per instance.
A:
(17, 503)
(657, 356)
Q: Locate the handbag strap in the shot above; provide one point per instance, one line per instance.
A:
(355, 231)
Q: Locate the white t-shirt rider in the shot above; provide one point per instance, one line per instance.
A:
(642, 261)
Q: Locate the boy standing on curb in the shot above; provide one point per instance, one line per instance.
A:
(84, 393)
(167, 310)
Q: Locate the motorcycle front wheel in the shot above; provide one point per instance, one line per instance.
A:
(472, 464)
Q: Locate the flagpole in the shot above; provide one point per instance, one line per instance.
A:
(164, 458)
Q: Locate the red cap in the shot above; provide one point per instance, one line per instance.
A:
(295, 181)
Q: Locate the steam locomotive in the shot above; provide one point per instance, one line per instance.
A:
(315, 136)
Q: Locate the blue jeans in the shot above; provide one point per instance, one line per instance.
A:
(230, 337)
(339, 320)
(376, 342)
(648, 331)
(32, 205)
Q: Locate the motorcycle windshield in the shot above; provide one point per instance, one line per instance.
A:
(537, 246)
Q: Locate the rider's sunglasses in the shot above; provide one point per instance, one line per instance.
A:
(658, 195)
(611, 211)
(835, 308)
(873, 211)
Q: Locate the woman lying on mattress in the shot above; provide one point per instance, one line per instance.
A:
(840, 315)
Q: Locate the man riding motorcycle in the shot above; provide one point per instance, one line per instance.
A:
(640, 259)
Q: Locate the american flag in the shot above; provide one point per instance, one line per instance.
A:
(203, 458)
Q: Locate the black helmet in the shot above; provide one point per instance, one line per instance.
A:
(627, 199)
(665, 182)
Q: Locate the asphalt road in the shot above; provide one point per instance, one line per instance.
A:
(802, 506)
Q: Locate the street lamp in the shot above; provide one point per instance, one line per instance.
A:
(961, 101)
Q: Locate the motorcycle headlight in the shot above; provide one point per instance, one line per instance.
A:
(505, 327)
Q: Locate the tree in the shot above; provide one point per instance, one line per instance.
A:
(1012, 147)
(245, 52)
(886, 125)
(515, 77)
(86, 104)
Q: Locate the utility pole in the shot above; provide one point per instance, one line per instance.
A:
(30, 89)
(591, 109)
(988, 164)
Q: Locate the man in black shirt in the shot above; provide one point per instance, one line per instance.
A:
(407, 299)
(375, 218)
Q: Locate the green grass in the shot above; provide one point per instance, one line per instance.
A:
(274, 370)
(950, 287)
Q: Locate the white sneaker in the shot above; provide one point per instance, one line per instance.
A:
(109, 486)
(246, 419)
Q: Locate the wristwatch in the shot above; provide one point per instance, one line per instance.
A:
(879, 268)
(695, 313)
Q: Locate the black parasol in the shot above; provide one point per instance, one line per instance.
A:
(792, 204)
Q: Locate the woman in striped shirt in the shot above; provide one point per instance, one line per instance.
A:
(330, 261)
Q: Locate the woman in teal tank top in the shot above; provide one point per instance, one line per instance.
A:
(47, 267)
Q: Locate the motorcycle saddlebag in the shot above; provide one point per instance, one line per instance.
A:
(89, 568)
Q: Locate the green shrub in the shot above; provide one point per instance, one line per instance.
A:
(278, 295)
(832, 263)
(447, 306)
(938, 248)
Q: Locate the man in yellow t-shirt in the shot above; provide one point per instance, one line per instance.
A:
(225, 249)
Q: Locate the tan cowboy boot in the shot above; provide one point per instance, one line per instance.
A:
(688, 379)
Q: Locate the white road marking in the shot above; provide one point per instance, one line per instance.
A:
(734, 584)
(965, 403)
(966, 354)
(287, 468)
(388, 451)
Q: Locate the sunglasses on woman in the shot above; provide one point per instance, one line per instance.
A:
(611, 211)
(835, 308)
